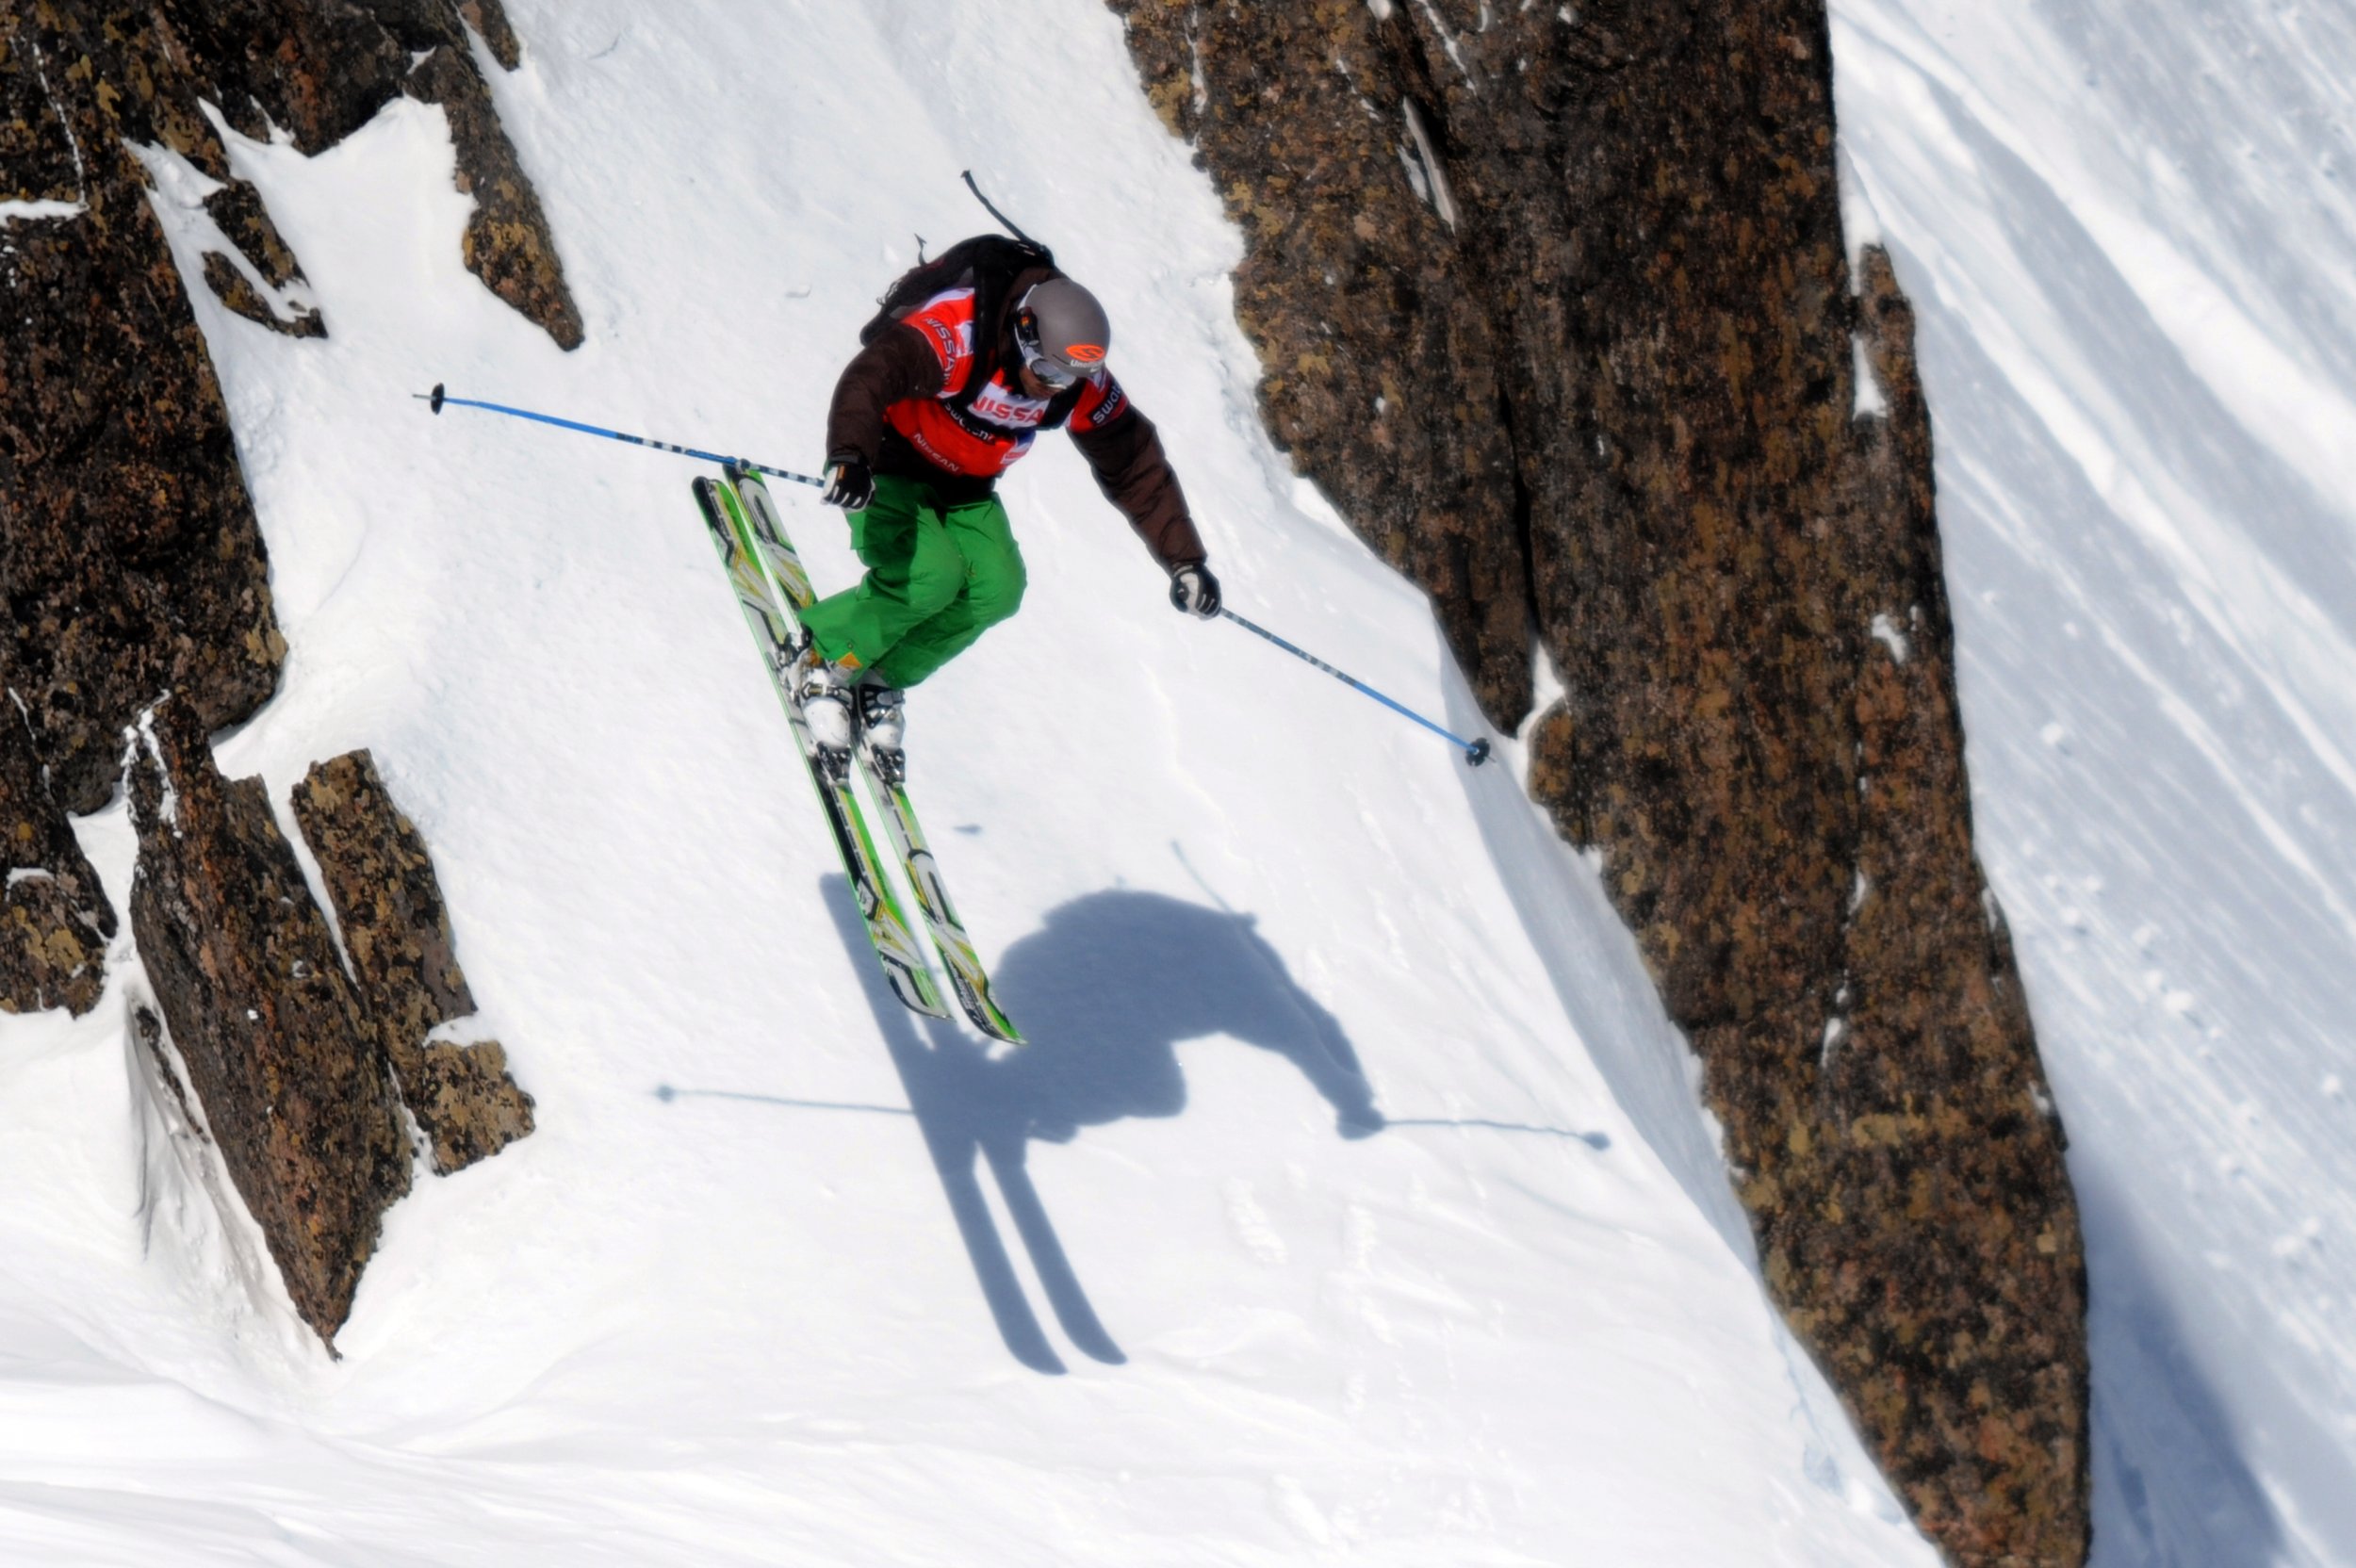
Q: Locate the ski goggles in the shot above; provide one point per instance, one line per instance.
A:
(1047, 368)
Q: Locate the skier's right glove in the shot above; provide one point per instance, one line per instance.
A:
(850, 484)
(1194, 590)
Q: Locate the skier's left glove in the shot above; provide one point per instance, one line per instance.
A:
(850, 484)
(1194, 590)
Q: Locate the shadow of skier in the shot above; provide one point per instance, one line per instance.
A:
(1108, 989)
(1103, 992)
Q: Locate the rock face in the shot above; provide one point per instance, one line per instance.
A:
(237, 210)
(128, 552)
(235, 290)
(279, 1057)
(507, 243)
(56, 919)
(396, 929)
(296, 1069)
(127, 545)
(132, 566)
(1554, 303)
(1383, 372)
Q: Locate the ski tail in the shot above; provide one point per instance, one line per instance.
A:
(963, 965)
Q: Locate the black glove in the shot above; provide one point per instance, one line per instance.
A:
(1194, 590)
(850, 484)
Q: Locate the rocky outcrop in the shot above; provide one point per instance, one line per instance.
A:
(233, 289)
(1554, 303)
(396, 931)
(237, 210)
(298, 1066)
(507, 243)
(1380, 368)
(317, 71)
(127, 546)
(131, 564)
(128, 552)
(56, 919)
(280, 1057)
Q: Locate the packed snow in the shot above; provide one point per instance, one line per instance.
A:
(785, 1278)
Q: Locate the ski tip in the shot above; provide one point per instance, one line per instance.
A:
(1477, 753)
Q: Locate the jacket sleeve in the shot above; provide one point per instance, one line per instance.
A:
(1125, 454)
(899, 364)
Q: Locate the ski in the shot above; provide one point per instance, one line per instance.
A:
(967, 977)
(769, 584)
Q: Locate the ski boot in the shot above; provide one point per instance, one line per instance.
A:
(825, 699)
(883, 723)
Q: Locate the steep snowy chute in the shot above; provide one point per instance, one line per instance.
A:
(779, 1275)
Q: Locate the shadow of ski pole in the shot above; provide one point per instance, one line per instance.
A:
(667, 1094)
(1593, 1140)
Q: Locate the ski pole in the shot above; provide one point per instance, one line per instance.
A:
(436, 398)
(1476, 752)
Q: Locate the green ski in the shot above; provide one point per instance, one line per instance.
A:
(770, 585)
(967, 977)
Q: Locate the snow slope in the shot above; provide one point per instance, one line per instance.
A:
(782, 1277)
(777, 1279)
(2127, 228)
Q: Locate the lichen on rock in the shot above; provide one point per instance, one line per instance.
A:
(507, 242)
(54, 919)
(396, 930)
(233, 289)
(279, 1057)
(236, 208)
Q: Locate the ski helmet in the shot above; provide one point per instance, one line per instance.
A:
(1062, 332)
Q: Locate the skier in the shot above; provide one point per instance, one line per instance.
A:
(970, 357)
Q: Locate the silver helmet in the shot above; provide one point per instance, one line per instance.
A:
(1063, 332)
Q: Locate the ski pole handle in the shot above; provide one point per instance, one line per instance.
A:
(1476, 752)
(436, 398)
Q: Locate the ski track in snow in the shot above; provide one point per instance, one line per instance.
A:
(784, 1275)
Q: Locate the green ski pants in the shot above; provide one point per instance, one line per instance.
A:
(938, 577)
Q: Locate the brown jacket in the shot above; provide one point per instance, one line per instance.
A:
(895, 408)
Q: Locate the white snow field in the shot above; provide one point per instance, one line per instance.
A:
(784, 1278)
(2128, 229)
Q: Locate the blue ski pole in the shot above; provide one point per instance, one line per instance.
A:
(1476, 752)
(436, 398)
